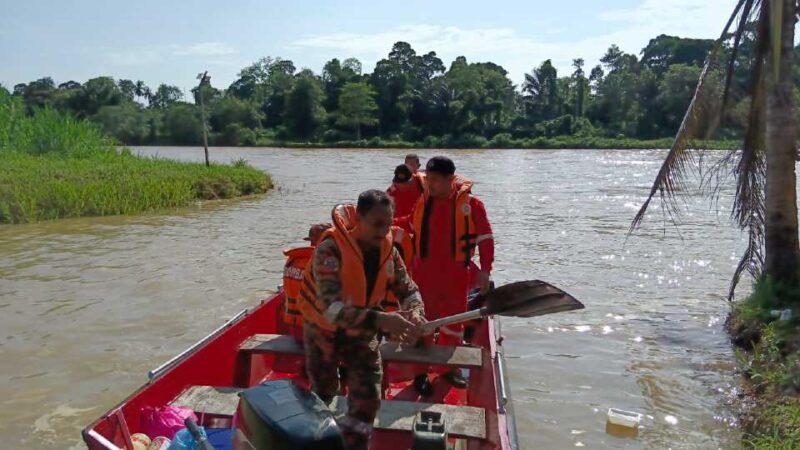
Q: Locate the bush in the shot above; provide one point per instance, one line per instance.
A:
(503, 140)
(464, 141)
(432, 142)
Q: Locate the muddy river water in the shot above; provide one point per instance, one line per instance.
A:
(88, 306)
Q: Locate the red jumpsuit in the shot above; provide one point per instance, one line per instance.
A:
(443, 282)
(405, 196)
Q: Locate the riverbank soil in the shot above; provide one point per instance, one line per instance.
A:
(765, 327)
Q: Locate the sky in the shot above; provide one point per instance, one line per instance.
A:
(171, 41)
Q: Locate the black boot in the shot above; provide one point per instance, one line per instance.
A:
(423, 385)
(455, 379)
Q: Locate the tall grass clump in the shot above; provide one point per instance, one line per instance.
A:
(54, 166)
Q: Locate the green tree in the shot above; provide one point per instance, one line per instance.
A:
(182, 124)
(125, 122)
(303, 109)
(540, 91)
(142, 92)
(357, 107)
(232, 110)
(69, 85)
(165, 96)
(38, 93)
(279, 83)
(665, 51)
(481, 97)
(94, 94)
(581, 87)
(128, 89)
(675, 91)
(334, 76)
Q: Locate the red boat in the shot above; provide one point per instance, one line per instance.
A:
(249, 349)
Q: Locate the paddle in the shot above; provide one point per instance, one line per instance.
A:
(519, 299)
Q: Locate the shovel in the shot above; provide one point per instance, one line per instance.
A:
(519, 299)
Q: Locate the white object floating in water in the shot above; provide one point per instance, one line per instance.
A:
(627, 419)
(672, 420)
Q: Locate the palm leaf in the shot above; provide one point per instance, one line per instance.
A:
(672, 173)
(750, 172)
(737, 39)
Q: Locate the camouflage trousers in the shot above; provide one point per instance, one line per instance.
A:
(360, 357)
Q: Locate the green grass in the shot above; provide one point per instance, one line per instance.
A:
(769, 356)
(53, 166)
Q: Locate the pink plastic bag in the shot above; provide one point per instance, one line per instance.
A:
(164, 420)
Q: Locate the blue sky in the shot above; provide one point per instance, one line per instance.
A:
(171, 41)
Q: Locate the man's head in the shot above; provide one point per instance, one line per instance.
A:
(374, 214)
(402, 174)
(439, 172)
(315, 232)
(412, 161)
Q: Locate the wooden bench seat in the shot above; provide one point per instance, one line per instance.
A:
(437, 355)
(397, 415)
(209, 399)
(462, 421)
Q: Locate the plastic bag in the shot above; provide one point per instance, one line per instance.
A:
(164, 420)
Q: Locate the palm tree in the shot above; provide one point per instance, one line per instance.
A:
(765, 204)
(142, 91)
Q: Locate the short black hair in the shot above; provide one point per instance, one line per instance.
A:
(413, 156)
(441, 165)
(402, 174)
(368, 200)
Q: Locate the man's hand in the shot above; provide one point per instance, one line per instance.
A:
(397, 326)
(483, 281)
(414, 317)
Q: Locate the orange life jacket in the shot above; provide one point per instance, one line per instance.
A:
(296, 261)
(420, 179)
(463, 236)
(405, 246)
(351, 273)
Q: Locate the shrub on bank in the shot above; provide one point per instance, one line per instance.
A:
(503, 141)
(54, 166)
(766, 328)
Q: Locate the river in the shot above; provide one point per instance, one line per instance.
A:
(88, 306)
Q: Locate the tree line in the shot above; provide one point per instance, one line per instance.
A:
(409, 97)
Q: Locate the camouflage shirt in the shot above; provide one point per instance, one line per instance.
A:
(326, 265)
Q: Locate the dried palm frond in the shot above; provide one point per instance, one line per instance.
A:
(748, 205)
(700, 113)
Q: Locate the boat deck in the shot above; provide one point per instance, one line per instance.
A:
(250, 349)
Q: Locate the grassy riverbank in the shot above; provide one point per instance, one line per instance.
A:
(768, 347)
(53, 166)
(504, 141)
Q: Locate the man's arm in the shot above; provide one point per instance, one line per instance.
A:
(327, 268)
(485, 238)
(404, 288)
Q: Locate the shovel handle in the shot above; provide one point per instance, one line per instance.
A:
(430, 327)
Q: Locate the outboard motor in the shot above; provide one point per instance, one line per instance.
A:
(430, 431)
(277, 415)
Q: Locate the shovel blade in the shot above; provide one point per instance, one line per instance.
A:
(529, 299)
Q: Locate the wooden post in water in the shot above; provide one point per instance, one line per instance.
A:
(204, 80)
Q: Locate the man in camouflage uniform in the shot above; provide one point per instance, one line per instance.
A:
(350, 338)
